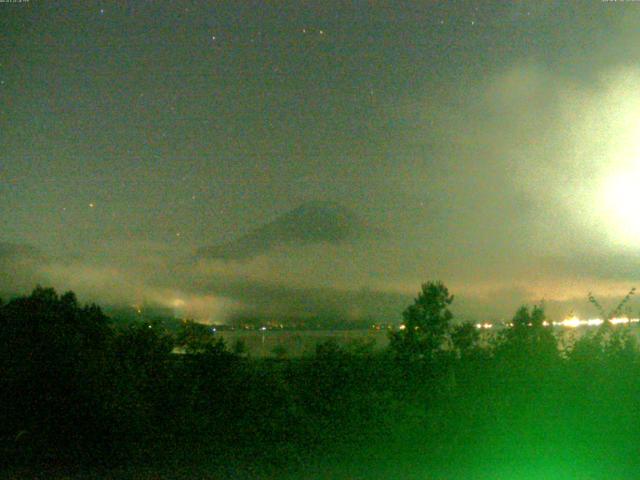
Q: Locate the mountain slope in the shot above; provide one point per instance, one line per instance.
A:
(310, 223)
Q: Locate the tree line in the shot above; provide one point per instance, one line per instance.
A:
(77, 391)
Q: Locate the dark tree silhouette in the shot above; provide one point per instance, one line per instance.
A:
(53, 359)
(528, 338)
(465, 338)
(76, 388)
(196, 337)
(427, 324)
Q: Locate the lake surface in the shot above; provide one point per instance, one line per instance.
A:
(294, 343)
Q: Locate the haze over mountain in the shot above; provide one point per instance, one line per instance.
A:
(311, 223)
(496, 143)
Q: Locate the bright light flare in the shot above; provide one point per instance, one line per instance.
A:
(572, 322)
(484, 326)
(619, 192)
(575, 322)
(178, 302)
(622, 201)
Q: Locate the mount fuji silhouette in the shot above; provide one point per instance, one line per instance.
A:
(311, 223)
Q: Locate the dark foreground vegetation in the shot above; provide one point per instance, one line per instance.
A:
(81, 398)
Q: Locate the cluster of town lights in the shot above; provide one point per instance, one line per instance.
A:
(572, 322)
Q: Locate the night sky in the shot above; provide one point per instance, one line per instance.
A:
(492, 145)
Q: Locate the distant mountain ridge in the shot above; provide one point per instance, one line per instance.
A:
(310, 223)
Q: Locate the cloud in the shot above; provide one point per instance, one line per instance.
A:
(528, 151)
(623, 266)
(499, 186)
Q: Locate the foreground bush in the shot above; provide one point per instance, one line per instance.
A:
(75, 390)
